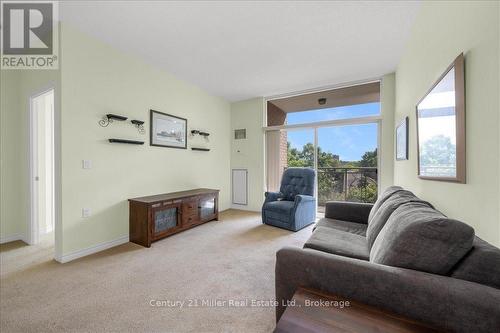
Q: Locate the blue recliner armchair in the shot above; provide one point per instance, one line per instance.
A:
(294, 206)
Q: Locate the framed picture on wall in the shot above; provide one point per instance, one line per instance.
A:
(441, 127)
(167, 130)
(402, 140)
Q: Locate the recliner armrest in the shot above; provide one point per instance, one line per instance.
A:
(272, 196)
(348, 211)
(303, 198)
(441, 301)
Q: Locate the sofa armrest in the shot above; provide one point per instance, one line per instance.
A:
(348, 211)
(272, 196)
(441, 301)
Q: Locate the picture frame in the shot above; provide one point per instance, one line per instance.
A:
(402, 145)
(167, 130)
(441, 127)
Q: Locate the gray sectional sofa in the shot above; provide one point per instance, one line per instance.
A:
(402, 255)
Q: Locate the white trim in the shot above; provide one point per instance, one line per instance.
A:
(244, 208)
(92, 249)
(33, 233)
(379, 153)
(327, 123)
(46, 230)
(315, 163)
(33, 185)
(323, 88)
(12, 238)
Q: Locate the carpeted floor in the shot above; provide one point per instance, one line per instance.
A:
(111, 291)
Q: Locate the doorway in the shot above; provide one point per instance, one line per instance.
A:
(42, 169)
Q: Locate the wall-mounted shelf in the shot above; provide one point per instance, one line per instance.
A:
(130, 142)
(109, 118)
(200, 149)
(139, 124)
(205, 134)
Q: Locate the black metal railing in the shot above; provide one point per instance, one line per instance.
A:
(347, 184)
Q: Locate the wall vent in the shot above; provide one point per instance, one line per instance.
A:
(240, 134)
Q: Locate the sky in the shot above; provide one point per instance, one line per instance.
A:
(349, 142)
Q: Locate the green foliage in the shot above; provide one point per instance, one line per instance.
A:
(369, 159)
(332, 178)
(438, 151)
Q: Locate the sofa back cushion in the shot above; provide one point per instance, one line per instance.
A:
(381, 199)
(386, 209)
(481, 264)
(418, 237)
(297, 181)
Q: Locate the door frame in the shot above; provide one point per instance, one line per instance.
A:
(33, 233)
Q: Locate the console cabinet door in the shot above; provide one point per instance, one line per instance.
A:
(165, 219)
(208, 207)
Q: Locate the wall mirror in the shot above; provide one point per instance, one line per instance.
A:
(441, 127)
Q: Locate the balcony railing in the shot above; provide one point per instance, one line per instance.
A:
(347, 184)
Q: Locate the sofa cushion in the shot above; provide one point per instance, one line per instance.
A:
(348, 211)
(385, 210)
(352, 227)
(279, 210)
(381, 199)
(339, 242)
(421, 238)
(481, 264)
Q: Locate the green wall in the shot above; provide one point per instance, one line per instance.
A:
(441, 31)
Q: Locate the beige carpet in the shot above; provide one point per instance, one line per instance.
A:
(232, 259)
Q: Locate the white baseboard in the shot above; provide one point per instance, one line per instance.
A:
(244, 207)
(92, 249)
(12, 238)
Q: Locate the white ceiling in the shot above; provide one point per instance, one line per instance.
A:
(239, 50)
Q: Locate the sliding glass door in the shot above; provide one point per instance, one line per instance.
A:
(347, 163)
(345, 158)
(335, 132)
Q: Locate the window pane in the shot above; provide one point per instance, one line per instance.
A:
(342, 112)
(347, 163)
(300, 148)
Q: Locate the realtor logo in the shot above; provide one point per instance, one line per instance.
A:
(29, 35)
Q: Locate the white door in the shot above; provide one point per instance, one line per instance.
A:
(42, 165)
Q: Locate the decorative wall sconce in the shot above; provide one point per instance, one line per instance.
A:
(109, 118)
(139, 124)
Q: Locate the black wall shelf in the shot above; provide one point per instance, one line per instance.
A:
(109, 118)
(130, 142)
(116, 117)
(205, 134)
(137, 122)
(200, 149)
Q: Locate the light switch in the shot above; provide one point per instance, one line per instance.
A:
(87, 164)
(86, 212)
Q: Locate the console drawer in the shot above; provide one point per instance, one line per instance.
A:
(190, 219)
(190, 207)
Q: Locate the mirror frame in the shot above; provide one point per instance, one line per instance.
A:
(458, 65)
